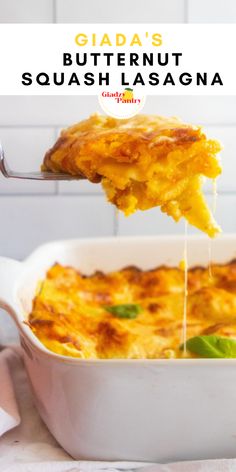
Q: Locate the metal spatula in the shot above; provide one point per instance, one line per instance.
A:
(11, 174)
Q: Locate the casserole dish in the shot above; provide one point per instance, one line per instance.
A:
(147, 410)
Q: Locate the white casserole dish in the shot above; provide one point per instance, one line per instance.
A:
(147, 410)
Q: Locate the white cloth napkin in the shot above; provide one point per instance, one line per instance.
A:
(9, 414)
(27, 446)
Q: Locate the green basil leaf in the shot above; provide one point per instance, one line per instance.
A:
(129, 310)
(212, 346)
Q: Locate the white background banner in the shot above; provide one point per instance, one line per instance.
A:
(152, 59)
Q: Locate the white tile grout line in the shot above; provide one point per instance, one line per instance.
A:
(55, 138)
(43, 126)
(66, 194)
(53, 125)
(225, 193)
(185, 11)
(52, 194)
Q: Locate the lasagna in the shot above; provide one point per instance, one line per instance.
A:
(142, 162)
(131, 313)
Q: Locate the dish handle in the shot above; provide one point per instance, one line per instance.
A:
(10, 271)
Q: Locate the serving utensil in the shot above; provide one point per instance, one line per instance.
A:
(11, 174)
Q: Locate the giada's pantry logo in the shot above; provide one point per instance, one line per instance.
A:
(121, 104)
(122, 97)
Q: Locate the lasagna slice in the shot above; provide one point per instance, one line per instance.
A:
(142, 162)
(132, 313)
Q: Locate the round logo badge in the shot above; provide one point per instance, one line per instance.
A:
(121, 104)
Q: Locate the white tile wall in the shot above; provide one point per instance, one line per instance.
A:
(131, 11)
(149, 222)
(26, 11)
(27, 222)
(211, 11)
(24, 148)
(226, 135)
(79, 187)
(200, 110)
(62, 111)
(45, 111)
(32, 213)
(108, 11)
(154, 222)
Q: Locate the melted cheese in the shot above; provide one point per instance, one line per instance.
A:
(142, 162)
(69, 313)
(215, 195)
(185, 288)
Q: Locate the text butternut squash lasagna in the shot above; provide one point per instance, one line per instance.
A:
(142, 162)
(131, 313)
